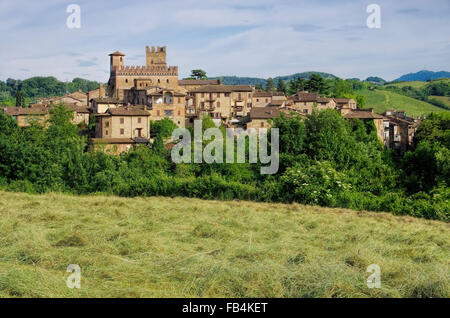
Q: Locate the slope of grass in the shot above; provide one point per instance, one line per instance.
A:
(417, 84)
(382, 100)
(163, 247)
(443, 99)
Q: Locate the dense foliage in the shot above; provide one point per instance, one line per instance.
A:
(324, 160)
(36, 87)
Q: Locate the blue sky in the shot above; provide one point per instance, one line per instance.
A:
(257, 38)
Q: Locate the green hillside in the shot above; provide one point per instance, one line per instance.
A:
(178, 247)
(382, 100)
(443, 99)
(416, 84)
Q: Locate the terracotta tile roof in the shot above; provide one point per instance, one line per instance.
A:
(260, 93)
(108, 100)
(324, 100)
(305, 97)
(277, 102)
(264, 113)
(199, 82)
(223, 89)
(363, 114)
(17, 111)
(127, 111)
(117, 53)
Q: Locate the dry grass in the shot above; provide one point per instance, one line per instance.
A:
(163, 247)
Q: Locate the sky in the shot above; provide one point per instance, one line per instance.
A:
(255, 38)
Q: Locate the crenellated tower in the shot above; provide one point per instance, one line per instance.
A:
(156, 56)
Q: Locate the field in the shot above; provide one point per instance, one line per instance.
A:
(444, 99)
(382, 100)
(416, 84)
(177, 247)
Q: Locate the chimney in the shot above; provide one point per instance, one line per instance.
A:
(101, 92)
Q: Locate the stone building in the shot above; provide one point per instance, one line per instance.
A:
(101, 105)
(24, 116)
(156, 72)
(162, 102)
(191, 84)
(119, 129)
(263, 98)
(222, 102)
(306, 102)
(77, 98)
(399, 130)
(259, 117)
(345, 105)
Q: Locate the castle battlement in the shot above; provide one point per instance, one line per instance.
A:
(146, 70)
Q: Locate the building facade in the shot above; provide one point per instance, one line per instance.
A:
(156, 72)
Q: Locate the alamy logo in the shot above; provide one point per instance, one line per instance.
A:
(374, 280)
(374, 19)
(213, 151)
(74, 279)
(74, 19)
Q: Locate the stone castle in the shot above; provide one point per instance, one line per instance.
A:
(154, 73)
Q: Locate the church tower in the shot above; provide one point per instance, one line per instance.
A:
(117, 60)
(156, 56)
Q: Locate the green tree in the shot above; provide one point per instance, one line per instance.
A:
(296, 85)
(360, 101)
(198, 74)
(317, 84)
(270, 86)
(162, 127)
(341, 88)
(281, 87)
(20, 99)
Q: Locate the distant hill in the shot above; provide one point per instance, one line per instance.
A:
(423, 76)
(375, 79)
(236, 80)
(381, 100)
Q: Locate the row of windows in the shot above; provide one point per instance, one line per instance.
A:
(168, 112)
(225, 94)
(217, 104)
(141, 84)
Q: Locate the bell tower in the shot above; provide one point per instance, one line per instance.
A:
(117, 60)
(156, 56)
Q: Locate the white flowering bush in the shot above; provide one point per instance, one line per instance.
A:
(318, 183)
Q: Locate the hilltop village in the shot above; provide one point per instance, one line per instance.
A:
(137, 95)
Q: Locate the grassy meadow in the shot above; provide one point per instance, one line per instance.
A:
(417, 84)
(382, 100)
(443, 99)
(178, 247)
